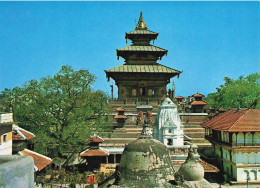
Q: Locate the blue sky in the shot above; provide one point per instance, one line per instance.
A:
(206, 40)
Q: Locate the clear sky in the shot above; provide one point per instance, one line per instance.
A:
(206, 40)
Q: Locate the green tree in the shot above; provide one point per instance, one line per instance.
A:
(243, 92)
(62, 111)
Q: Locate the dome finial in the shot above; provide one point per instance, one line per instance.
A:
(146, 132)
(141, 25)
(191, 154)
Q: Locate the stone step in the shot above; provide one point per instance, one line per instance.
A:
(118, 140)
(195, 134)
(128, 130)
(193, 126)
(196, 130)
(199, 140)
(125, 135)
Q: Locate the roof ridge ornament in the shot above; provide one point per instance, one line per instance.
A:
(141, 25)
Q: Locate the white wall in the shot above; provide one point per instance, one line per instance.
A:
(254, 173)
(6, 148)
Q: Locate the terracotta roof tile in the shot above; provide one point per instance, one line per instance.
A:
(246, 120)
(182, 103)
(120, 109)
(16, 136)
(179, 97)
(27, 135)
(94, 152)
(40, 161)
(207, 166)
(120, 117)
(95, 139)
(199, 103)
(198, 95)
(19, 133)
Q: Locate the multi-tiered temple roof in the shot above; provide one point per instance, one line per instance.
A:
(141, 65)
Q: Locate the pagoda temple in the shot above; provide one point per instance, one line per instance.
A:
(141, 77)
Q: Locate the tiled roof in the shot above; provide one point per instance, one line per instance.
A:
(94, 152)
(245, 120)
(142, 32)
(198, 95)
(95, 139)
(179, 97)
(21, 134)
(208, 167)
(182, 103)
(199, 103)
(120, 109)
(40, 161)
(158, 68)
(120, 117)
(149, 48)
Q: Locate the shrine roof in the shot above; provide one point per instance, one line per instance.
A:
(158, 68)
(148, 48)
(120, 117)
(198, 95)
(179, 97)
(40, 161)
(182, 103)
(95, 139)
(194, 103)
(245, 120)
(120, 109)
(94, 152)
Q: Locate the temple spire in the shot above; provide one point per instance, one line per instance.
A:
(141, 25)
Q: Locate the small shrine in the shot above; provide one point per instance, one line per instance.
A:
(180, 100)
(198, 104)
(95, 155)
(120, 117)
(168, 127)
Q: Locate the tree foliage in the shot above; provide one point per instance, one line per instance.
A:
(62, 110)
(243, 92)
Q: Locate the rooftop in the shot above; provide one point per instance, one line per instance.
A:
(194, 103)
(95, 139)
(94, 152)
(245, 120)
(40, 161)
(158, 68)
(21, 134)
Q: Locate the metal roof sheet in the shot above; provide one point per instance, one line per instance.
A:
(142, 32)
(144, 68)
(142, 48)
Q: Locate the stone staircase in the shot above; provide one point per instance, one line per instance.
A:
(130, 131)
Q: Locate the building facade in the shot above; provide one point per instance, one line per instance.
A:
(235, 136)
(6, 121)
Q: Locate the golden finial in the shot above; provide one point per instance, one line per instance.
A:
(141, 25)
